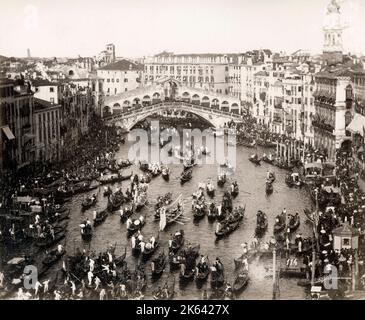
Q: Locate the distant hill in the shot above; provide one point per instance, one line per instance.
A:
(2, 58)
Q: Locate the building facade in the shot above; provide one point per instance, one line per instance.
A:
(17, 140)
(120, 76)
(203, 71)
(47, 120)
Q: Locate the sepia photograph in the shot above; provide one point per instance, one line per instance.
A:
(182, 150)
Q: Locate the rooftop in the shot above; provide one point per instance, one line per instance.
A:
(123, 65)
(43, 83)
(40, 104)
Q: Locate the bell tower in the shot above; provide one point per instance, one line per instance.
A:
(332, 31)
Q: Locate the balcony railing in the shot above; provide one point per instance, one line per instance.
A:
(323, 126)
(173, 104)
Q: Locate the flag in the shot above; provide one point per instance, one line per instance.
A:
(162, 220)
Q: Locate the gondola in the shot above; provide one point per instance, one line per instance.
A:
(141, 202)
(261, 224)
(161, 294)
(120, 260)
(158, 265)
(186, 176)
(236, 215)
(124, 163)
(221, 180)
(188, 275)
(188, 165)
(58, 217)
(175, 259)
(249, 255)
(86, 233)
(49, 241)
(136, 225)
(226, 229)
(241, 281)
(52, 257)
(210, 189)
(212, 212)
(165, 173)
(199, 213)
(114, 178)
(255, 160)
(267, 159)
(115, 201)
(235, 191)
(269, 187)
(202, 274)
(216, 278)
(89, 202)
(100, 217)
(144, 166)
(177, 241)
(279, 225)
(294, 223)
(147, 253)
(146, 178)
(126, 212)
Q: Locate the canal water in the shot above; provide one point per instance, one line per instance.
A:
(251, 180)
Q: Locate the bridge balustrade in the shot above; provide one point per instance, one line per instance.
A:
(174, 104)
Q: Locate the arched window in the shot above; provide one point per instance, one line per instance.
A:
(146, 100)
(205, 101)
(215, 103)
(349, 92)
(195, 99)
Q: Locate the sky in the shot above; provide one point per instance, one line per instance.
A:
(146, 27)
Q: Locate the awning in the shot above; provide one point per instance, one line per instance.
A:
(8, 133)
(357, 125)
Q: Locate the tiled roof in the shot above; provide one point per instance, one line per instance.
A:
(123, 65)
(43, 83)
(345, 230)
(40, 104)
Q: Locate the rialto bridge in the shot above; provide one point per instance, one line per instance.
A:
(129, 108)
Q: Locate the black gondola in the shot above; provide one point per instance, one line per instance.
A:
(221, 180)
(177, 241)
(241, 281)
(86, 231)
(186, 176)
(255, 160)
(136, 225)
(294, 223)
(161, 295)
(212, 212)
(269, 187)
(52, 257)
(89, 202)
(100, 217)
(158, 265)
(226, 229)
(261, 224)
(49, 241)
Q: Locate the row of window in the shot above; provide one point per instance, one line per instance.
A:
(115, 90)
(179, 69)
(47, 124)
(117, 80)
